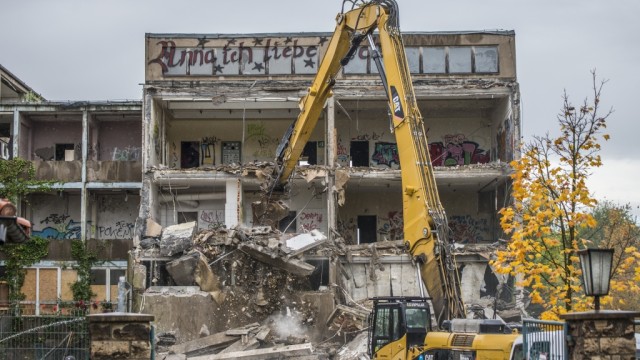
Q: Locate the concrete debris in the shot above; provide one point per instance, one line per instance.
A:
(294, 266)
(356, 349)
(205, 345)
(303, 242)
(177, 238)
(278, 352)
(193, 268)
(153, 229)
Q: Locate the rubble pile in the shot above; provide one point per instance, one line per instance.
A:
(256, 281)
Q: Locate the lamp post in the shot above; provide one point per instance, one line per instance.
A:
(596, 272)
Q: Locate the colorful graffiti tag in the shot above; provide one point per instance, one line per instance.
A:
(59, 228)
(342, 152)
(457, 150)
(468, 230)
(392, 227)
(386, 153)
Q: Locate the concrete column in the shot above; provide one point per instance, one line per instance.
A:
(331, 150)
(83, 192)
(120, 336)
(15, 134)
(233, 204)
(604, 334)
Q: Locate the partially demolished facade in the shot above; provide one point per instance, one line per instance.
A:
(214, 110)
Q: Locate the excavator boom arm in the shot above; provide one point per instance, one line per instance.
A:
(425, 223)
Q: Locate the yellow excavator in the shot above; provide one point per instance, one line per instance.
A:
(400, 327)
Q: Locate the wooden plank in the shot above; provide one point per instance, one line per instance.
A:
(262, 354)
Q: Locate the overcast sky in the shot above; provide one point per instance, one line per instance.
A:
(94, 50)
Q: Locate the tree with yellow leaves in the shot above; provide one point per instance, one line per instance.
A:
(552, 207)
(617, 229)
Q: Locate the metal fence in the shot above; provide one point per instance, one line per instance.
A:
(544, 340)
(44, 337)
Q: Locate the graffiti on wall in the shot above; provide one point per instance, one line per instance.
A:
(457, 150)
(239, 56)
(392, 227)
(505, 142)
(366, 137)
(468, 230)
(266, 144)
(120, 230)
(341, 151)
(347, 228)
(310, 220)
(210, 219)
(208, 150)
(59, 227)
(128, 153)
(63, 227)
(386, 153)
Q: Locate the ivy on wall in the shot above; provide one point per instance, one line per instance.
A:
(17, 179)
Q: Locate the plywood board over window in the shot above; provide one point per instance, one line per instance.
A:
(48, 285)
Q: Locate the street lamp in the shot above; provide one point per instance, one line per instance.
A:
(596, 272)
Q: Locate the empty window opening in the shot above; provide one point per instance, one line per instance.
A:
(65, 152)
(310, 154)
(320, 276)
(359, 153)
(190, 154)
(367, 229)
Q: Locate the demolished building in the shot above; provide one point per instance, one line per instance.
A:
(215, 109)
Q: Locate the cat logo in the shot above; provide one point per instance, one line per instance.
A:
(397, 105)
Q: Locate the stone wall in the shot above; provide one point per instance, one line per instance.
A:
(602, 335)
(120, 336)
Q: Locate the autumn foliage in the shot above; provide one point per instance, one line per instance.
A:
(552, 212)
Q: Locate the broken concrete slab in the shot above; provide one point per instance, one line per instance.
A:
(263, 354)
(193, 268)
(245, 330)
(293, 266)
(204, 345)
(153, 229)
(177, 238)
(182, 269)
(303, 242)
(242, 345)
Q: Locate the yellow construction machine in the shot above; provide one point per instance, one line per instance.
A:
(400, 327)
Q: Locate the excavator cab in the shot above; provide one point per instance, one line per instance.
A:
(401, 322)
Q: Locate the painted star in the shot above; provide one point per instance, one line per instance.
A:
(288, 40)
(232, 42)
(257, 41)
(309, 63)
(202, 41)
(258, 66)
(323, 39)
(217, 69)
